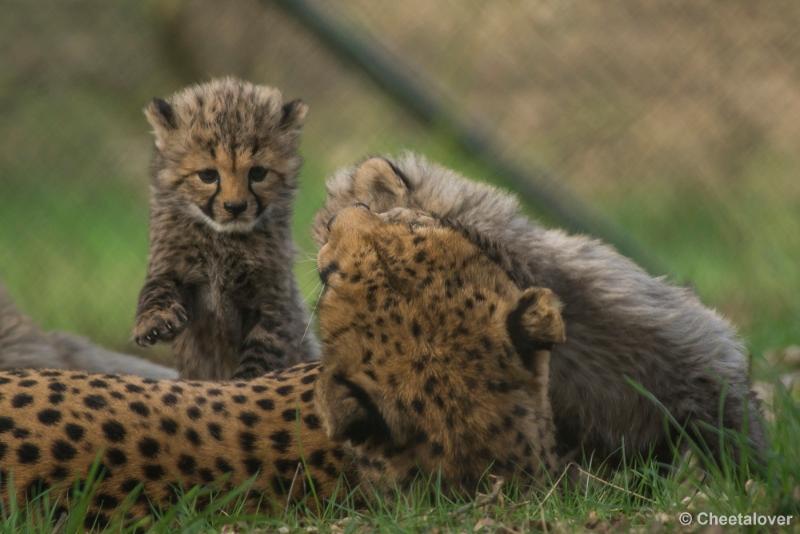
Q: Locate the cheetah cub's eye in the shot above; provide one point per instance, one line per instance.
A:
(257, 173)
(208, 176)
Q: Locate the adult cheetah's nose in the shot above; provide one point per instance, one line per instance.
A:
(235, 208)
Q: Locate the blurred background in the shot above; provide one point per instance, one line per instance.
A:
(676, 124)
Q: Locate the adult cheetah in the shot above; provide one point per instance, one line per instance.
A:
(686, 355)
(433, 363)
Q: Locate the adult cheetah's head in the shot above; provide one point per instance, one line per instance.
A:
(435, 361)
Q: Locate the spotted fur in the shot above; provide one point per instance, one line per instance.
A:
(435, 365)
(219, 283)
(685, 354)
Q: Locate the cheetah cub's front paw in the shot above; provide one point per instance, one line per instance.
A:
(159, 324)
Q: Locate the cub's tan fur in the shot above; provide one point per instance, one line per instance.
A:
(220, 282)
(685, 354)
(442, 371)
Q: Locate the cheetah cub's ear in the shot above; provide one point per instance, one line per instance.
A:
(380, 185)
(162, 118)
(293, 115)
(535, 324)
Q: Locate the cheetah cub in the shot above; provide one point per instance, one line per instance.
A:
(219, 282)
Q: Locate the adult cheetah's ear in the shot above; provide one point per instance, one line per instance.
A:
(162, 118)
(293, 115)
(378, 183)
(535, 323)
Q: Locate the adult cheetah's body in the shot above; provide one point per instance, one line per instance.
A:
(431, 365)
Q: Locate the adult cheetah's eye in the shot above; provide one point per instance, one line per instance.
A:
(209, 176)
(257, 173)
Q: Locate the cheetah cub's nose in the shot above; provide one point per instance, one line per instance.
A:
(235, 208)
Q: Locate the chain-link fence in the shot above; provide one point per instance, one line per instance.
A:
(678, 121)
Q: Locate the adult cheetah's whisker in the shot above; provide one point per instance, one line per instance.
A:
(311, 315)
(313, 293)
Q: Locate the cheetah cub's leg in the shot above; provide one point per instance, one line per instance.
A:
(267, 347)
(161, 314)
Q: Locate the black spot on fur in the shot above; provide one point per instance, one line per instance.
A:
(249, 418)
(106, 501)
(59, 472)
(187, 464)
(284, 390)
(55, 398)
(6, 424)
(153, 471)
(252, 465)
(307, 395)
(58, 387)
(281, 440)
(114, 431)
(312, 421)
(97, 383)
(215, 430)
(193, 436)
(149, 447)
(247, 441)
(20, 400)
(223, 465)
(63, 451)
(139, 408)
(169, 399)
(49, 417)
(206, 474)
(95, 402)
(28, 453)
(169, 426)
(290, 415)
(265, 404)
(239, 399)
(133, 388)
(193, 412)
(27, 383)
(115, 456)
(416, 330)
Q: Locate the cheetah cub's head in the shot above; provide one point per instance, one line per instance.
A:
(435, 362)
(226, 152)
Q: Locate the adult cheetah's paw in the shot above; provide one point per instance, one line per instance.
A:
(159, 324)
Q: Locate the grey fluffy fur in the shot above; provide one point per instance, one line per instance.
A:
(24, 344)
(621, 322)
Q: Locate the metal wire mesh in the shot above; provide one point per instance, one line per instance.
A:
(678, 120)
